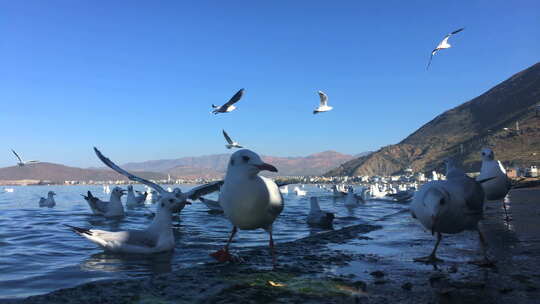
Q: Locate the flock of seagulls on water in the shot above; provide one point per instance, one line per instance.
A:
(250, 201)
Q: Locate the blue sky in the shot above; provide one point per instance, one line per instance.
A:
(136, 78)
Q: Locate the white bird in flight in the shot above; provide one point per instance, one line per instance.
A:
(229, 106)
(249, 201)
(158, 236)
(22, 163)
(323, 105)
(230, 143)
(443, 45)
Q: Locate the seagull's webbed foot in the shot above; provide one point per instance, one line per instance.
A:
(223, 255)
(485, 262)
(430, 259)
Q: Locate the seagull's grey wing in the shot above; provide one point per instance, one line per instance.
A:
(227, 138)
(199, 191)
(18, 157)
(456, 31)
(324, 98)
(431, 58)
(234, 99)
(132, 177)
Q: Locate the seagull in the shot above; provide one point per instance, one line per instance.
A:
(112, 208)
(442, 45)
(154, 196)
(352, 200)
(299, 191)
(158, 236)
(49, 201)
(213, 206)
(228, 107)
(450, 206)
(22, 163)
(132, 200)
(248, 200)
(230, 143)
(497, 188)
(317, 217)
(323, 106)
(337, 192)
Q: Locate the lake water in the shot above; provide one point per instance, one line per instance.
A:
(38, 254)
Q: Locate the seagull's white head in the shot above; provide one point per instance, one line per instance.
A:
(248, 163)
(118, 192)
(130, 187)
(487, 154)
(435, 201)
(51, 193)
(173, 201)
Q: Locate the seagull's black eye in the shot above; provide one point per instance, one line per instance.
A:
(171, 200)
(483, 153)
(441, 201)
(245, 158)
(232, 162)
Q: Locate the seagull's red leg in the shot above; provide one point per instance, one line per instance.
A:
(223, 255)
(272, 250)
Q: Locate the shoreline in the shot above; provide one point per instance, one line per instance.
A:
(312, 270)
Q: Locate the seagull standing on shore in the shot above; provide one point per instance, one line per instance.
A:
(443, 45)
(229, 106)
(49, 201)
(158, 237)
(249, 201)
(317, 217)
(22, 163)
(230, 143)
(112, 208)
(498, 187)
(323, 104)
(450, 206)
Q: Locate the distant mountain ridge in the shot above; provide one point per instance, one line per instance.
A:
(216, 165)
(504, 118)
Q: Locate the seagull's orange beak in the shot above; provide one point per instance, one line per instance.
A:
(266, 167)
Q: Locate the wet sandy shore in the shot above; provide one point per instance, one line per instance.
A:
(358, 264)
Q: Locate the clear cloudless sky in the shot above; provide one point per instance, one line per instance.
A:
(137, 78)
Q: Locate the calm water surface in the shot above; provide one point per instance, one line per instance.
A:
(38, 254)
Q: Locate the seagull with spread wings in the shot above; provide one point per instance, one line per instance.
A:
(22, 163)
(323, 106)
(229, 106)
(158, 236)
(230, 143)
(443, 45)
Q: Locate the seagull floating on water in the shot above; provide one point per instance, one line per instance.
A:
(112, 208)
(230, 143)
(450, 206)
(229, 106)
(134, 201)
(353, 200)
(22, 163)
(158, 236)
(443, 45)
(248, 200)
(317, 217)
(500, 185)
(299, 191)
(323, 105)
(49, 201)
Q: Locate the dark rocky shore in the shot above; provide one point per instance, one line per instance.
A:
(311, 271)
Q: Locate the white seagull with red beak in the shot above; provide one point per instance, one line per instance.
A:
(248, 200)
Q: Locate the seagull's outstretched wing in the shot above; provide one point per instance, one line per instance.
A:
(431, 58)
(456, 31)
(199, 191)
(132, 177)
(32, 162)
(18, 157)
(235, 98)
(227, 138)
(324, 99)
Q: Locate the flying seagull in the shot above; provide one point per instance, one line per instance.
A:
(323, 106)
(22, 163)
(158, 236)
(228, 107)
(230, 143)
(443, 45)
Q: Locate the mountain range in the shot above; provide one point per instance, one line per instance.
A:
(506, 118)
